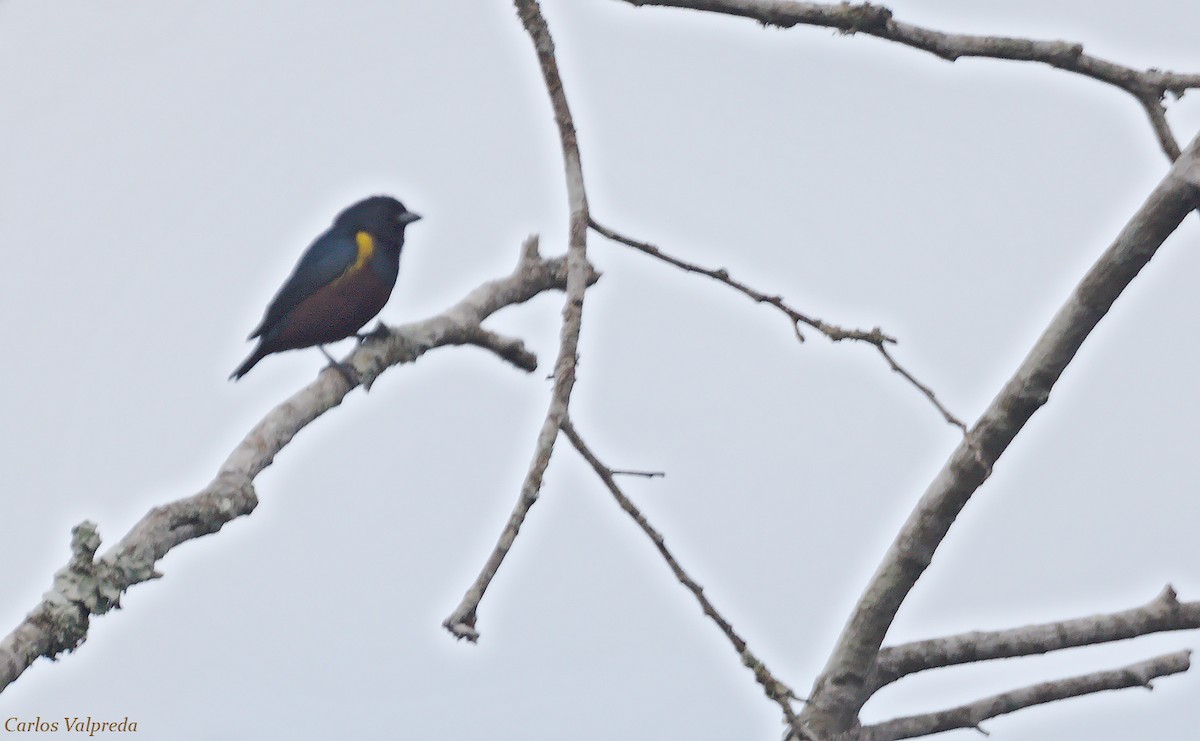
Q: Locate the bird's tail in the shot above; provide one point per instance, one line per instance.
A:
(251, 361)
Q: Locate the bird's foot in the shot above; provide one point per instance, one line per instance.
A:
(381, 332)
(346, 370)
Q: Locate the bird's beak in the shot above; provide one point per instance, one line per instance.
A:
(409, 217)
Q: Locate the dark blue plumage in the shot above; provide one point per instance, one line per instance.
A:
(340, 283)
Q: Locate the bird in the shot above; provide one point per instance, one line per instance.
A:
(341, 282)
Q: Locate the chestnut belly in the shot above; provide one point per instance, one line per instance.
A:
(333, 313)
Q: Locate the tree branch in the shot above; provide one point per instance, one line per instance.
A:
(925, 390)
(88, 586)
(835, 333)
(461, 621)
(510, 349)
(1161, 614)
(974, 713)
(1148, 87)
(843, 686)
(776, 691)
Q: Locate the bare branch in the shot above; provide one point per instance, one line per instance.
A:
(925, 390)
(89, 586)
(775, 690)
(1148, 87)
(833, 332)
(511, 349)
(972, 714)
(1163, 613)
(843, 686)
(874, 337)
(1157, 113)
(461, 621)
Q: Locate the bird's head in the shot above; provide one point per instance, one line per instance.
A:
(382, 216)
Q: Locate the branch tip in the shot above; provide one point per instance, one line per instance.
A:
(529, 252)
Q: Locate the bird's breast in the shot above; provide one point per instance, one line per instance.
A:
(333, 312)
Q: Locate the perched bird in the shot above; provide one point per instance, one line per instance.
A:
(342, 280)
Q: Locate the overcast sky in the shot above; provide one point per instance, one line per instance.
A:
(166, 163)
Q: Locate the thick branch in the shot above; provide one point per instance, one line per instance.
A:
(1148, 87)
(461, 622)
(88, 586)
(775, 690)
(843, 686)
(974, 713)
(1164, 613)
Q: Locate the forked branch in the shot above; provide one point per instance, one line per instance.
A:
(844, 685)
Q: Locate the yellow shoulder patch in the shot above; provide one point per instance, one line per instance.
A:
(366, 248)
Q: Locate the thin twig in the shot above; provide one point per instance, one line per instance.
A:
(1148, 87)
(972, 714)
(833, 332)
(928, 392)
(642, 474)
(774, 689)
(874, 337)
(461, 621)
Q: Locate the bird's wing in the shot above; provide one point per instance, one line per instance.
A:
(323, 262)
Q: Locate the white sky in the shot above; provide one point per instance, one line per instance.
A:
(166, 163)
